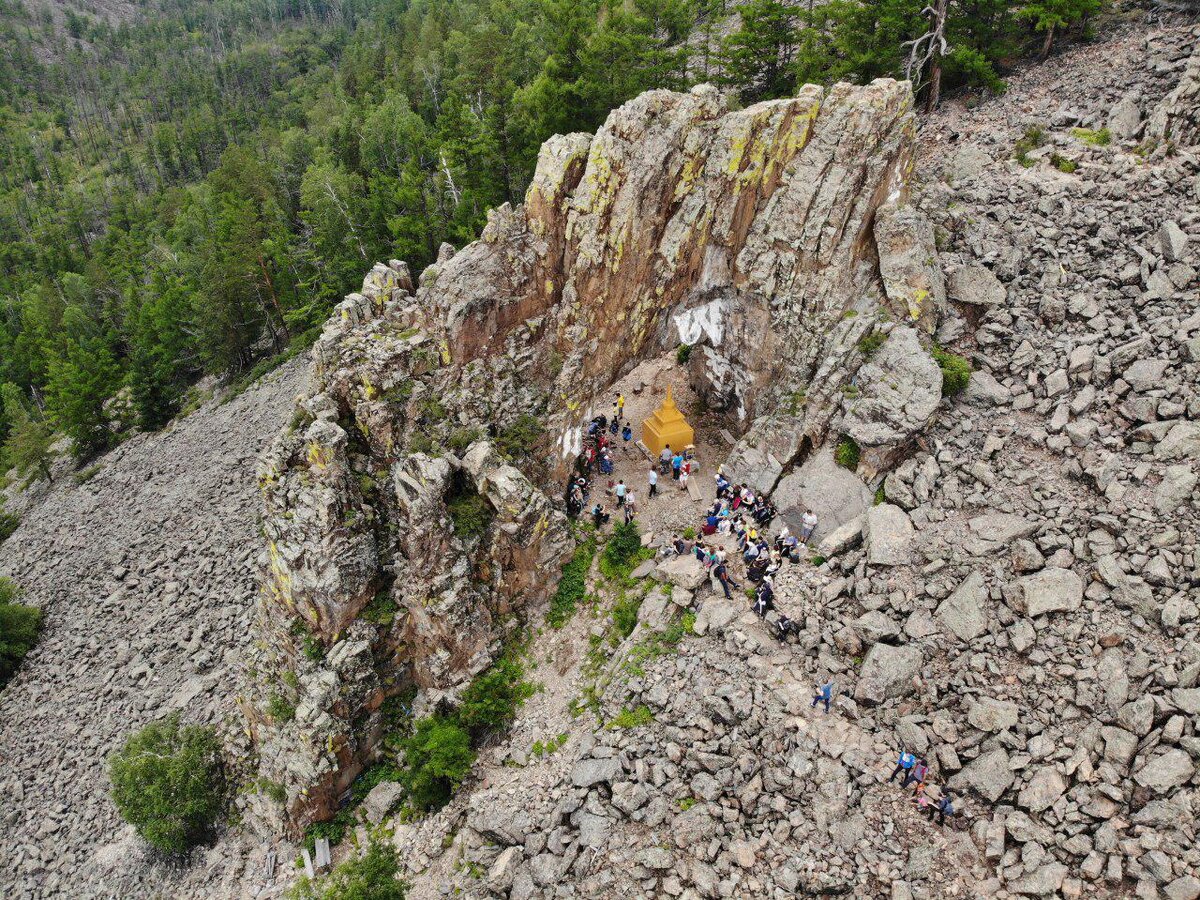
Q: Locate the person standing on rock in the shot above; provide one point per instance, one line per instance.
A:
(824, 695)
(652, 478)
(808, 524)
(903, 764)
(918, 772)
(942, 809)
(722, 573)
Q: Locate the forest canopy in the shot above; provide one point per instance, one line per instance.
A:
(189, 192)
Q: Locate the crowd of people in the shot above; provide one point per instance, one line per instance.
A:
(915, 771)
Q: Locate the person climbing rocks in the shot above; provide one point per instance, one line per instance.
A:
(619, 492)
(808, 524)
(652, 478)
(919, 798)
(824, 695)
(903, 764)
(944, 807)
(917, 773)
(599, 516)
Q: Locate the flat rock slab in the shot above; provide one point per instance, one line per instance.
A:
(684, 571)
(964, 613)
(888, 672)
(889, 536)
(1047, 591)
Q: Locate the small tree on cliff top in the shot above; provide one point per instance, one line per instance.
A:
(166, 783)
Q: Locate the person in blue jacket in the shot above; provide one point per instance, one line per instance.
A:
(903, 764)
(824, 694)
(942, 809)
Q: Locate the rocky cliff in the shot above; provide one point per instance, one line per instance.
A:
(756, 233)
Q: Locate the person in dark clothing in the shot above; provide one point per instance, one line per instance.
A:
(903, 764)
(824, 694)
(722, 572)
(917, 773)
(599, 516)
(942, 809)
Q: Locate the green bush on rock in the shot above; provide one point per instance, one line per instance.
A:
(166, 783)
(956, 371)
(19, 626)
(438, 757)
(371, 876)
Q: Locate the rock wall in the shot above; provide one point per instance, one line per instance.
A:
(752, 232)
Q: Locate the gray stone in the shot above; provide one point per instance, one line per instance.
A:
(1047, 591)
(1042, 790)
(1175, 488)
(977, 285)
(1173, 241)
(912, 279)
(988, 775)
(888, 672)
(1124, 118)
(588, 772)
(686, 572)
(889, 536)
(1045, 881)
(379, 802)
(835, 494)
(964, 612)
(1166, 771)
(989, 714)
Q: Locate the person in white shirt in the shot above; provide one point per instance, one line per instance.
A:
(808, 524)
(652, 478)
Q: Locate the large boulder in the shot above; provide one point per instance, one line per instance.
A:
(889, 535)
(989, 775)
(976, 285)
(900, 388)
(1047, 591)
(835, 494)
(1177, 116)
(964, 612)
(888, 672)
(908, 256)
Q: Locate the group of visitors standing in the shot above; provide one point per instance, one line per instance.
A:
(915, 771)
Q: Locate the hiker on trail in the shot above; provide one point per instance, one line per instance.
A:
(824, 694)
(903, 764)
(676, 465)
(652, 478)
(808, 524)
(919, 800)
(664, 459)
(917, 773)
(620, 491)
(599, 516)
(942, 809)
(722, 485)
(630, 505)
(619, 404)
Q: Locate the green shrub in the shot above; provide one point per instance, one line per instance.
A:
(625, 614)
(492, 699)
(8, 524)
(622, 552)
(462, 438)
(689, 533)
(372, 778)
(19, 626)
(281, 708)
(1063, 164)
(956, 371)
(382, 609)
(871, 342)
(371, 876)
(1097, 137)
(438, 758)
(519, 438)
(572, 586)
(632, 718)
(166, 783)
(846, 453)
(683, 354)
(880, 495)
(1034, 137)
(470, 513)
(333, 831)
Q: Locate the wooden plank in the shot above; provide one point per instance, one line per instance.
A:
(641, 445)
(693, 490)
(324, 858)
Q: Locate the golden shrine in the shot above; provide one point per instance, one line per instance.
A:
(667, 426)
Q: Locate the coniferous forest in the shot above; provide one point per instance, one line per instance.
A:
(188, 188)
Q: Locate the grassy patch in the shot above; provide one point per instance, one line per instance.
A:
(572, 586)
(8, 524)
(470, 513)
(956, 371)
(1034, 137)
(520, 438)
(1063, 164)
(1097, 137)
(631, 718)
(870, 343)
(683, 354)
(846, 454)
(623, 552)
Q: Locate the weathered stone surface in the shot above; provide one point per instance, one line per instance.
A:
(835, 494)
(989, 775)
(912, 278)
(900, 388)
(889, 535)
(1047, 591)
(1042, 790)
(888, 672)
(964, 612)
(1166, 771)
(1177, 116)
(992, 715)
(976, 285)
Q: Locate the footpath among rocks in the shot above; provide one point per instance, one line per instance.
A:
(146, 575)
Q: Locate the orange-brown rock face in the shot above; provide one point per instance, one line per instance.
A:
(748, 232)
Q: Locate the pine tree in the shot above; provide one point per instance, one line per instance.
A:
(27, 446)
(83, 374)
(1049, 16)
(757, 58)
